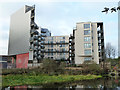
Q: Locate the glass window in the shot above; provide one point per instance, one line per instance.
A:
(63, 45)
(51, 41)
(52, 38)
(87, 52)
(62, 41)
(87, 58)
(52, 54)
(87, 45)
(86, 26)
(63, 37)
(86, 32)
(87, 39)
(52, 45)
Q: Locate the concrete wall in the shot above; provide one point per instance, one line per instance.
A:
(19, 32)
(95, 43)
(79, 44)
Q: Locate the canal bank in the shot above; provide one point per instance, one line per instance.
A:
(14, 80)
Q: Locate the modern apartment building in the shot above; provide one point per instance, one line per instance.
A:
(29, 44)
(56, 47)
(25, 38)
(87, 42)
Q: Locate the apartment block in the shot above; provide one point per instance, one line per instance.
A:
(88, 42)
(56, 47)
(25, 38)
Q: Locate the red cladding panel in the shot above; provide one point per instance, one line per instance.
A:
(22, 60)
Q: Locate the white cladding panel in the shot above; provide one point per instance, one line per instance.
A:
(19, 32)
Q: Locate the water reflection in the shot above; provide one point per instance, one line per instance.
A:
(102, 84)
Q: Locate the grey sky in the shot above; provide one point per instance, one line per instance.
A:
(61, 17)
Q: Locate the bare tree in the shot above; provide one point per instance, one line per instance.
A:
(113, 52)
(108, 50)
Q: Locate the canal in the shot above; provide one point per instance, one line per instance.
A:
(102, 84)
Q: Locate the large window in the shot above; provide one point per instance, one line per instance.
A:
(87, 39)
(87, 58)
(86, 26)
(86, 32)
(87, 52)
(87, 45)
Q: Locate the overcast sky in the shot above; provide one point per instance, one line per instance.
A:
(61, 17)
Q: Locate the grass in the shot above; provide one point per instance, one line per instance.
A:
(25, 79)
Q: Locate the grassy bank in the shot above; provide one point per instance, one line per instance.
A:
(13, 80)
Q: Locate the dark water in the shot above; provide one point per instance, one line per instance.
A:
(99, 84)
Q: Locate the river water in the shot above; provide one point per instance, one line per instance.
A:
(99, 84)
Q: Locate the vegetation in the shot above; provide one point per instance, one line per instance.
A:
(33, 79)
(51, 72)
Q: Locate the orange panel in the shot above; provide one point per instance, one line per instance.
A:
(22, 60)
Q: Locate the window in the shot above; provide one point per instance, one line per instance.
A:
(62, 41)
(63, 37)
(86, 26)
(87, 58)
(51, 42)
(87, 45)
(51, 54)
(52, 45)
(87, 39)
(63, 49)
(63, 45)
(86, 32)
(52, 38)
(87, 52)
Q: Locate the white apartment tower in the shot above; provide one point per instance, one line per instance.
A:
(89, 42)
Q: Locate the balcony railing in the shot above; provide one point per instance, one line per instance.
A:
(55, 51)
(54, 43)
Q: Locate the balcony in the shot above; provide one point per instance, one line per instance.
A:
(35, 55)
(42, 38)
(43, 31)
(35, 48)
(42, 47)
(35, 37)
(35, 43)
(39, 39)
(42, 55)
(100, 31)
(34, 32)
(39, 48)
(72, 55)
(30, 48)
(55, 51)
(43, 35)
(31, 39)
(39, 57)
(34, 24)
(32, 15)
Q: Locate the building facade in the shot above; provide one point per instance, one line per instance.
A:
(56, 47)
(25, 38)
(29, 44)
(88, 41)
